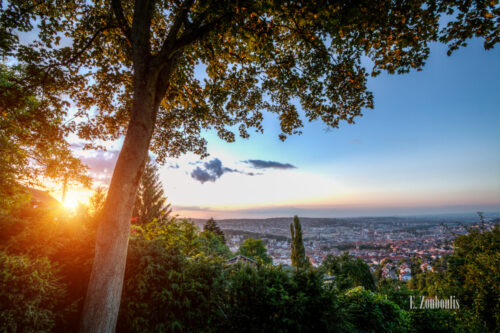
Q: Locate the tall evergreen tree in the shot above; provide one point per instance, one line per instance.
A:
(299, 259)
(150, 201)
(212, 226)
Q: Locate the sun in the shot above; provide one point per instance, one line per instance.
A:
(76, 197)
(70, 203)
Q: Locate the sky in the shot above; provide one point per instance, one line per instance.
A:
(431, 145)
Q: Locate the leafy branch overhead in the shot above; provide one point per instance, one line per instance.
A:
(257, 56)
(33, 134)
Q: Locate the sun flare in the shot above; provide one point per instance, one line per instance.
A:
(76, 197)
(70, 203)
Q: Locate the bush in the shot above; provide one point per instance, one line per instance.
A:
(269, 299)
(163, 291)
(369, 312)
(30, 293)
(432, 321)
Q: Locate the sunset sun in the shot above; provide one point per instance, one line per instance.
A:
(70, 203)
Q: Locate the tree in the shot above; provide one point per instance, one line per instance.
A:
(472, 274)
(349, 272)
(33, 142)
(212, 227)
(96, 201)
(133, 68)
(370, 312)
(255, 249)
(298, 256)
(150, 202)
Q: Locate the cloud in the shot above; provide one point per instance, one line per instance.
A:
(192, 208)
(77, 145)
(211, 171)
(102, 162)
(260, 164)
(356, 142)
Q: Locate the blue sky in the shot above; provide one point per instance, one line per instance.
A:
(430, 145)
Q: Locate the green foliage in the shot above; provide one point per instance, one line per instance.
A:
(213, 246)
(177, 280)
(298, 256)
(432, 320)
(269, 299)
(150, 202)
(32, 136)
(472, 276)
(30, 293)
(165, 292)
(67, 243)
(370, 312)
(255, 249)
(349, 272)
(419, 320)
(185, 236)
(211, 226)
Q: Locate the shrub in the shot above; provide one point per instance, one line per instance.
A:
(370, 312)
(164, 291)
(30, 293)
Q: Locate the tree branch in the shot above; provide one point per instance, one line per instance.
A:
(117, 8)
(189, 37)
(87, 45)
(174, 30)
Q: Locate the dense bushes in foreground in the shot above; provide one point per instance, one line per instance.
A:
(177, 279)
(30, 293)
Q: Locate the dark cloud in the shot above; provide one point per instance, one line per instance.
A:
(203, 176)
(211, 171)
(260, 164)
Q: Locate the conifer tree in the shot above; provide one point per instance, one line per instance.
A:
(150, 201)
(299, 259)
(212, 226)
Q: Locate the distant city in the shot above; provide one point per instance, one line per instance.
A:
(376, 240)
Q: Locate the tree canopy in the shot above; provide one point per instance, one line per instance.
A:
(349, 272)
(255, 55)
(33, 134)
(255, 249)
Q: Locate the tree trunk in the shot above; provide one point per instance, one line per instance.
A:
(102, 301)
